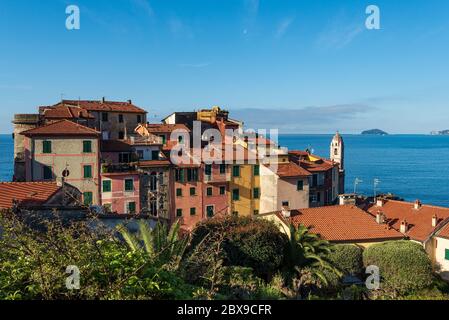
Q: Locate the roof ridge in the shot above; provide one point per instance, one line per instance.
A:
(422, 204)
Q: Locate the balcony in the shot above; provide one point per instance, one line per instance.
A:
(217, 178)
(118, 168)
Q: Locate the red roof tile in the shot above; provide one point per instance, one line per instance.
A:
(419, 220)
(66, 112)
(343, 223)
(165, 128)
(290, 169)
(62, 128)
(27, 193)
(106, 106)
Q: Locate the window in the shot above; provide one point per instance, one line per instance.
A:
(256, 212)
(209, 191)
(46, 146)
(87, 146)
(104, 117)
(256, 193)
(129, 185)
(335, 151)
(179, 175)
(180, 138)
(236, 194)
(312, 198)
(446, 254)
(47, 173)
(256, 170)
(192, 174)
(87, 198)
(179, 192)
(235, 213)
(318, 196)
(140, 154)
(107, 186)
(179, 212)
(139, 118)
(208, 170)
(87, 171)
(121, 135)
(120, 118)
(124, 157)
(192, 191)
(222, 168)
(131, 207)
(300, 185)
(192, 211)
(155, 155)
(285, 203)
(210, 211)
(222, 190)
(236, 171)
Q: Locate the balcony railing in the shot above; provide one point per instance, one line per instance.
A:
(118, 168)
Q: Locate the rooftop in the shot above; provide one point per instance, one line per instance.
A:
(26, 193)
(104, 106)
(291, 169)
(65, 112)
(61, 128)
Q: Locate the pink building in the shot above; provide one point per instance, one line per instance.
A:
(215, 189)
(120, 192)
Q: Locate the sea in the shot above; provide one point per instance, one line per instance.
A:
(410, 166)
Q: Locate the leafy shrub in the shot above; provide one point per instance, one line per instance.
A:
(404, 266)
(253, 243)
(347, 258)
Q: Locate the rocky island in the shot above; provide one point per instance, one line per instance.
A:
(375, 132)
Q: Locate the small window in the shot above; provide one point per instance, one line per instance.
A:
(140, 154)
(300, 185)
(131, 207)
(210, 211)
(155, 155)
(222, 168)
(285, 203)
(222, 190)
(235, 213)
(46, 146)
(192, 191)
(179, 175)
(139, 118)
(87, 172)
(236, 194)
(256, 170)
(120, 118)
(192, 211)
(47, 173)
(87, 198)
(179, 192)
(256, 212)
(104, 117)
(107, 186)
(208, 170)
(209, 191)
(87, 146)
(180, 138)
(446, 254)
(121, 135)
(256, 193)
(179, 212)
(236, 171)
(129, 185)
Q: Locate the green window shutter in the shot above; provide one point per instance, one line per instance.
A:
(256, 170)
(300, 185)
(210, 211)
(87, 198)
(107, 186)
(87, 146)
(131, 207)
(129, 185)
(181, 175)
(236, 171)
(164, 140)
(192, 191)
(446, 254)
(256, 193)
(192, 211)
(179, 192)
(235, 194)
(222, 168)
(222, 190)
(48, 173)
(209, 191)
(208, 170)
(87, 172)
(46, 146)
(179, 212)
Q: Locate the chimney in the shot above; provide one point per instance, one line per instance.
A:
(379, 202)
(286, 212)
(103, 100)
(380, 218)
(417, 205)
(130, 101)
(404, 227)
(434, 220)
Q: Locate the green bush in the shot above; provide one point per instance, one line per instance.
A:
(404, 266)
(253, 243)
(347, 258)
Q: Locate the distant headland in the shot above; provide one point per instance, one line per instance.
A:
(440, 133)
(375, 132)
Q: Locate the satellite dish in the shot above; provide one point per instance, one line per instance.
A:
(65, 173)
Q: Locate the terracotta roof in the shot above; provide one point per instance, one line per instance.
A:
(165, 128)
(419, 220)
(298, 153)
(317, 166)
(66, 112)
(290, 169)
(27, 193)
(115, 146)
(62, 128)
(444, 231)
(105, 106)
(345, 223)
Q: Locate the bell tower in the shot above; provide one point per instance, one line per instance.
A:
(337, 154)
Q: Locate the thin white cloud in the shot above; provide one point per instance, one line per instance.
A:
(283, 26)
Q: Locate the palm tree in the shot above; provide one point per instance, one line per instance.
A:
(162, 245)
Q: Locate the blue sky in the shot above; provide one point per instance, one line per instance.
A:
(300, 66)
